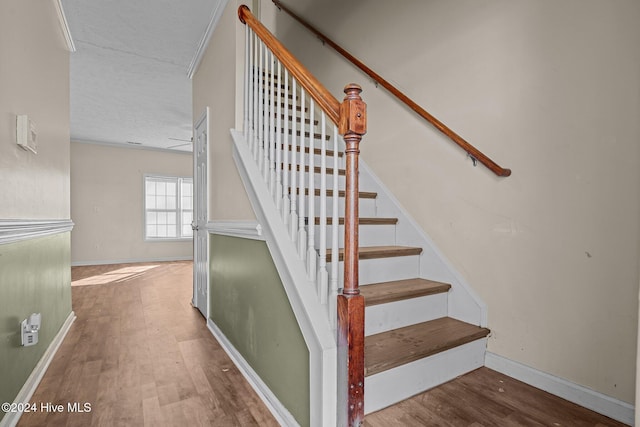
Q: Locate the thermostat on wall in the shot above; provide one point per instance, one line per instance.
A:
(26, 133)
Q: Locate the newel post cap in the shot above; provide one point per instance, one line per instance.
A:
(353, 112)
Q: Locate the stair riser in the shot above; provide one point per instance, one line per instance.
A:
(385, 317)
(317, 145)
(366, 207)
(370, 235)
(384, 269)
(394, 385)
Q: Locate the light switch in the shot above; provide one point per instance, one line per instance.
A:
(26, 135)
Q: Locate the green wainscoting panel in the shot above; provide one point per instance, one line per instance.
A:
(35, 277)
(249, 305)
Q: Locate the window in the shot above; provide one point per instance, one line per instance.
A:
(168, 209)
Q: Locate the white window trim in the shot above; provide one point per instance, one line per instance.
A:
(144, 209)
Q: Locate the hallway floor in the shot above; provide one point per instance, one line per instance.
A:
(140, 355)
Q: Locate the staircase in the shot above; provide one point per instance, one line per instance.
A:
(411, 344)
(421, 319)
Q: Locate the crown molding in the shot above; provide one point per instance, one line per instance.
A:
(64, 26)
(206, 37)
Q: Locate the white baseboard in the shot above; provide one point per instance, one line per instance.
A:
(281, 414)
(24, 395)
(129, 261)
(583, 396)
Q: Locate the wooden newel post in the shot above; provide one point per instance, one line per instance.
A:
(353, 124)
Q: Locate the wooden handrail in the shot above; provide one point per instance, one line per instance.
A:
(470, 149)
(351, 118)
(314, 88)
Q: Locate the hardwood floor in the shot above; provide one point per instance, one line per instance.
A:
(486, 398)
(140, 355)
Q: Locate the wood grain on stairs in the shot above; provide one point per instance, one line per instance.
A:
(316, 169)
(298, 119)
(381, 293)
(315, 135)
(289, 106)
(268, 93)
(374, 252)
(341, 193)
(397, 347)
(316, 151)
(363, 221)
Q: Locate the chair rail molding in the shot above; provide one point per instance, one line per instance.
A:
(242, 229)
(15, 230)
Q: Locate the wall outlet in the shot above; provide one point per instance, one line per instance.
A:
(29, 329)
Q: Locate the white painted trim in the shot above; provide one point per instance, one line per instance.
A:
(15, 230)
(583, 396)
(311, 315)
(64, 26)
(242, 229)
(206, 37)
(389, 387)
(24, 395)
(281, 414)
(130, 261)
(131, 146)
(201, 189)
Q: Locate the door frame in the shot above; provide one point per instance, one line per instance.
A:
(204, 117)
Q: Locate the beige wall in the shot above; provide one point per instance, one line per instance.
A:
(34, 80)
(107, 203)
(214, 85)
(549, 89)
(34, 274)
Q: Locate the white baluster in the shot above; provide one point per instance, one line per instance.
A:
(335, 226)
(256, 89)
(278, 141)
(323, 276)
(249, 94)
(262, 106)
(302, 234)
(245, 107)
(311, 256)
(268, 166)
(272, 128)
(294, 137)
(286, 207)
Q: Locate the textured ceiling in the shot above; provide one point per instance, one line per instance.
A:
(129, 80)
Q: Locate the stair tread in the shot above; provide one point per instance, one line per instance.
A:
(318, 136)
(341, 193)
(384, 292)
(316, 151)
(363, 221)
(317, 169)
(298, 119)
(397, 347)
(374, 252)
